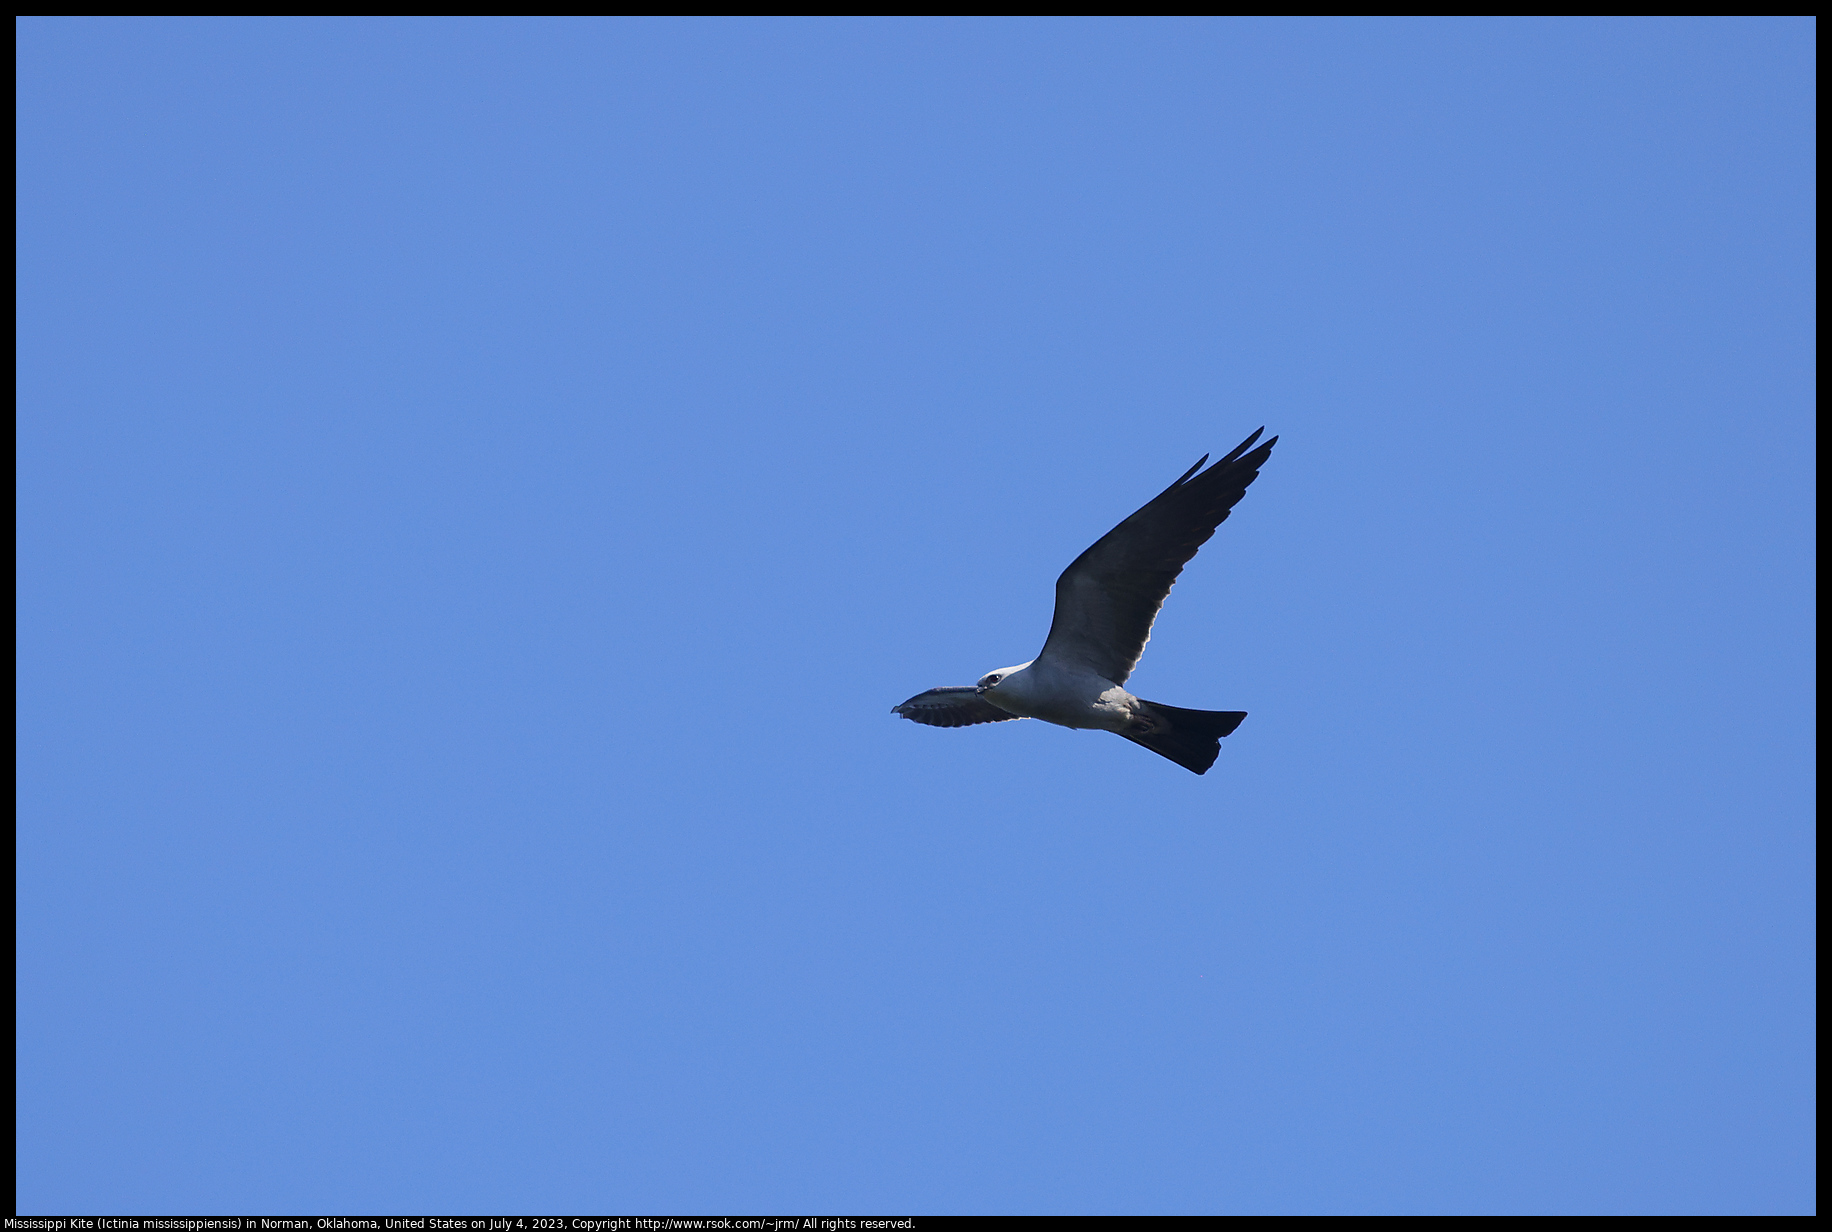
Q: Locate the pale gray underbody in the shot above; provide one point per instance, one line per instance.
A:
(1064, 693)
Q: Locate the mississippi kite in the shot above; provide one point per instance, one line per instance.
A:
(1105, 603)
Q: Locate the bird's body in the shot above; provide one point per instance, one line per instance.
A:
(1065, 694)
(1105, 604)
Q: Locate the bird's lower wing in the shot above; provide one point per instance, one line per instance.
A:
(952, 706)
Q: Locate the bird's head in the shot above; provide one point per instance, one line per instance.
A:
(992, 680)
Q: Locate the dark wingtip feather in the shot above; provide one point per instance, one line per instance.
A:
(1184, 478)
(1244, 446)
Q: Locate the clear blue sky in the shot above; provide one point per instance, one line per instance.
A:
(484, 484)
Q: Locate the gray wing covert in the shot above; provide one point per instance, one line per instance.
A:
(1107, 599)
(958, 705)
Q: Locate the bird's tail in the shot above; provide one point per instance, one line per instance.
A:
(1191, 738)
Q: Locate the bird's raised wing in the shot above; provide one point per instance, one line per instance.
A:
(956, 705)
(1107, 599)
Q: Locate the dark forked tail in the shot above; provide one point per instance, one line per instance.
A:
(1191, 738)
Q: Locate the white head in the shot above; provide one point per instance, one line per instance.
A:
(992, 680)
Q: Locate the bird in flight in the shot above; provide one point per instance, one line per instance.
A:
(1105, 603)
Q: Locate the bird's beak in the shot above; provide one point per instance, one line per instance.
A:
(980, 689)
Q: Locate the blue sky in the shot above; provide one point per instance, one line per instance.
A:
(484, 483)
